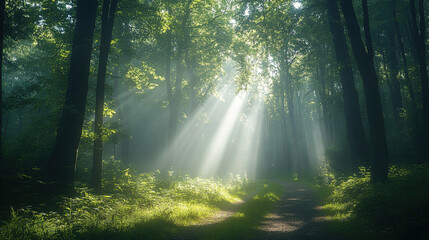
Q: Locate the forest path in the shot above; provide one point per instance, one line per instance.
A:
(297, 216)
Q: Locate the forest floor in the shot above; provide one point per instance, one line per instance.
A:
(296, 215)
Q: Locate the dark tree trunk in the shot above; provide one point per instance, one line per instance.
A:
(405, 67)
(61, 165)
(365, 62)
(2, 7)
(355, 133)
(420, 36)
(392, 63)
(107, 20)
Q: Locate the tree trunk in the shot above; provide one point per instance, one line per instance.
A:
(192, 83)
(122, 115)
(392, 62)
(107, 20)
(2, 7)
(168, 82)
(358, 149)
(287, 92)
(290, 106)
(182, 49)
(419, 36)
(285, 149)
(61, 165)
(323, 101)
(302, 136)
(405, 67)
(365, 62)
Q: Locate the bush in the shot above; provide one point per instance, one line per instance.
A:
(130, 202)
(394, 210)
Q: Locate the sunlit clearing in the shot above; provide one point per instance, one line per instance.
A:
(297, 5)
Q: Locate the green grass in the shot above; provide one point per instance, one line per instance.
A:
(359, 209)
(147, 206)
(132, 207)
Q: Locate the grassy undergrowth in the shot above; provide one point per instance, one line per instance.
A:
(399, 209)
(144, 206)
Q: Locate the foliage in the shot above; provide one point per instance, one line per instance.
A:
(129, 200)
(398, 209)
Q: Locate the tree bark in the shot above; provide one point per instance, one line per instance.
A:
(168, 82)
(61, 165)
(405, 67)
(2, 12)
(365, 62)
(192, 83)
(107, 20)
(358, 149)
(288, 91)
(392, 62)
(177, 94)
(323, 101)
(285, 149)
(419, 36)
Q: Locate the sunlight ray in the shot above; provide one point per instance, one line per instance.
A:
(220, 140)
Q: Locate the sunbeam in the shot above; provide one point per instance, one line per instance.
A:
(219, 142)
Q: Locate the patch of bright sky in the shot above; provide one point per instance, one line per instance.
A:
(297, 5)
(247, 12)
(233, 22)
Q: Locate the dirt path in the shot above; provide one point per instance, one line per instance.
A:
(297, 216)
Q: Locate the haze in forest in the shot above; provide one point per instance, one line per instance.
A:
(141, 101)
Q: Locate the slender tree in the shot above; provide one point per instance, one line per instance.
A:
(365, 61)
(354, 128)
(405, 67)
(107, 20)
(2, 7)
(392, 63)
(419, 33)
(182, 38)
(61, 165)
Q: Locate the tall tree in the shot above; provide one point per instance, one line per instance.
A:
(405, 66)
(107, 20)
(2, 7)
(420, 36)
(365, 62)
(392, 63)
(61, 165)
(182, 38)
(354, 128)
